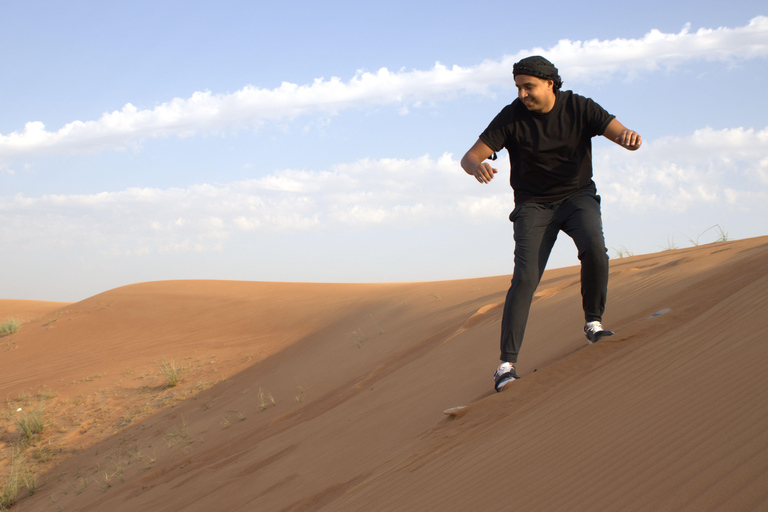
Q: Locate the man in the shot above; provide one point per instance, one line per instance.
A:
(547, 133)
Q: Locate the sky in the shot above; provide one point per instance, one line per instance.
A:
(320, 141)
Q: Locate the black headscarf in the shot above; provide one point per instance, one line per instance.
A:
(539, 67)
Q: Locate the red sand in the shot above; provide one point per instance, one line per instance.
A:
(669, 414)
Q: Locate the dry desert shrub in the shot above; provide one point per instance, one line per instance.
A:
(31, 423)
(170, 371)
(17, 479)
(722, 235)
(266, 400)
(10, 487)
(9, 326)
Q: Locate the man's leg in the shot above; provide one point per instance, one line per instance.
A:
(583, 223)
(535, 236)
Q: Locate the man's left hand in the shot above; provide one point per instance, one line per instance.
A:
(629, 139)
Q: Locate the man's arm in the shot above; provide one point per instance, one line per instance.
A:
(473, 162)
(618, 133)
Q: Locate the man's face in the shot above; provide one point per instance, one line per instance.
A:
(535, 93)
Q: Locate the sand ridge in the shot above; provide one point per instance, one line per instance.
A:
(330, 397)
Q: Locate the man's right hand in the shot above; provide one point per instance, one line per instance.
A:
(484, 172)
(474, 163)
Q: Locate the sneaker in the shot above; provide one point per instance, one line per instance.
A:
(504, 375)
(594, 331)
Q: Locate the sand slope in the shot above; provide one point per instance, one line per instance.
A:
(26, 310)
(330, 397)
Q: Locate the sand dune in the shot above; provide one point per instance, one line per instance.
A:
(26, 310)
(330, 397)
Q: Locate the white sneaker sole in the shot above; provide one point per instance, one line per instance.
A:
(504, 383)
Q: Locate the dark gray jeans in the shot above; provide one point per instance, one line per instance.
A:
(536, 228)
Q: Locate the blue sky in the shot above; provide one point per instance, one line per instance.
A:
(307, 141)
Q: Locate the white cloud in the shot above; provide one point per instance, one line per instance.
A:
(656, 50)
(202, 217)
(206, 112)
(715, 167)
(706, 169)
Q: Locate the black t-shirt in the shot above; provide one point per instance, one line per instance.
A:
(550, 154)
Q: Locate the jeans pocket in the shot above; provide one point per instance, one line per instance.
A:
(515, 213)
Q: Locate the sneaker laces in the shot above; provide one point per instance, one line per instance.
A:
(593, 327)
(504, 368)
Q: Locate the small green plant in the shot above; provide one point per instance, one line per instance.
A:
(104, 477)
(378, 326)
(46, 394)
(177, 435)
(670, 244)
(42, 453)
(358, 338)
(9, 326)
(226, 421)
(266, 400)
(82, 485)
(31, 423)
(148, 460)
(171, 372)
(301, 391)
(722, 235)
(18, 476)
(9, 489)
(31, 484)
(623, 252)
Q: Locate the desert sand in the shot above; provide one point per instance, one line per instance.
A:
(330, 397)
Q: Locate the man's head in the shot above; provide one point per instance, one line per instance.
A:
(540, 68)
(537, 82)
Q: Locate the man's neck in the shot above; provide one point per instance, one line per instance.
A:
(550, 104)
